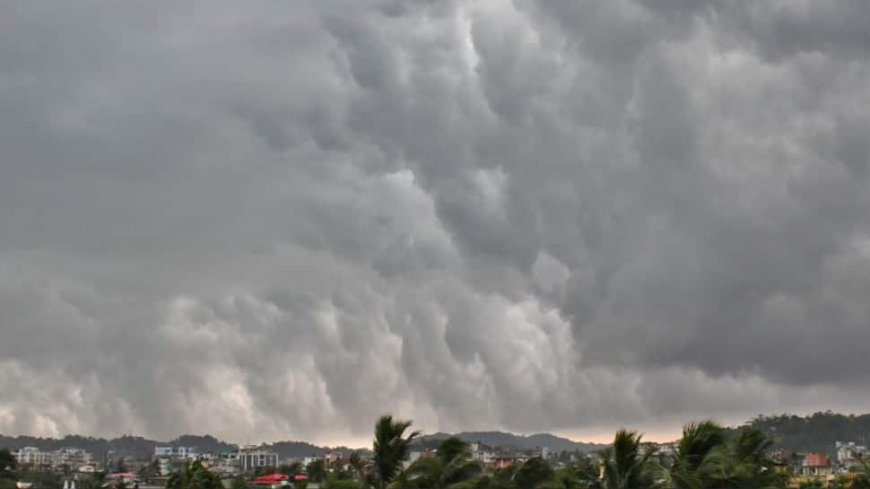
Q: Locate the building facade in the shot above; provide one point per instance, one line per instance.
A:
(850, 454)
(817, 464)
(251, 459)
(74, 458)
(32, 456)
(177, 453)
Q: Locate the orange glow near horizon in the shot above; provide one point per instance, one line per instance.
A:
(602, 436)
(662, 435)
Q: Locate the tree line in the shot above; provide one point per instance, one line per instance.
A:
(707, 456)
(814, 433)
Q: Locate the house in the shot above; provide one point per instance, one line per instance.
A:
(781, 460)
(816, 464)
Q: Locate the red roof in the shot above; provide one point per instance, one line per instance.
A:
(300, 477)
(817, 460)
(123, 475)
(271, 479)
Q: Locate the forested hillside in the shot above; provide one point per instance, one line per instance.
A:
(815, 433)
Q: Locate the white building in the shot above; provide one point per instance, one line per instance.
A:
(481, 454)
(177, 453)
(543, 452)
(251, 459)
(850, 454)
(74, 458)
(333, 457)
(32, 456)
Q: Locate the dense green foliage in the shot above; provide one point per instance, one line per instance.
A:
(863, 479)
(239, 483)
(316, 471)
(40, 479)
(7, 469)
(450, 467)
(194, 476)
(339, 483)
(7, 462)
(533, 472)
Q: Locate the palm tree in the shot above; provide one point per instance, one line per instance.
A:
(697, 455)
(390, 448)
(744, 463)
(750, 446)
(450, 466)
(357, 467)
(452, 448)
(627, 464)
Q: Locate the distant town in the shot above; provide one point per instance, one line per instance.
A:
(124, 464)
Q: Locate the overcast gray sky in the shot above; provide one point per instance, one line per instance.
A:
(280, 219)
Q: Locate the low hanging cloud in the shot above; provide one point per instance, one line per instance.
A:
(280, 220)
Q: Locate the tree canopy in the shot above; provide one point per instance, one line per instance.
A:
(194, 476)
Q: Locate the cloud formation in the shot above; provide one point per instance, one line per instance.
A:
(282, 219)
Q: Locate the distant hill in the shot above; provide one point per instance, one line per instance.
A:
(132, 446)
(296, 449)
(205, 443)
(500, 439)
(815, 433)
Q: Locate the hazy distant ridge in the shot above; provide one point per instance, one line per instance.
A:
(510, 440)
(817, 432)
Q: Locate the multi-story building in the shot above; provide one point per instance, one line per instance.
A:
(177, 453)
(309, 460)
(32, 456)
(850, 454)
(168, 456)
(481, 454)
(543, 452)
(251, 459)
(74, 458)
(332, 458)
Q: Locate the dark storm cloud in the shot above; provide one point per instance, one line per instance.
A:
(283, 219)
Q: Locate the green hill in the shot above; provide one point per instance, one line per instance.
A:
(815, 433)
